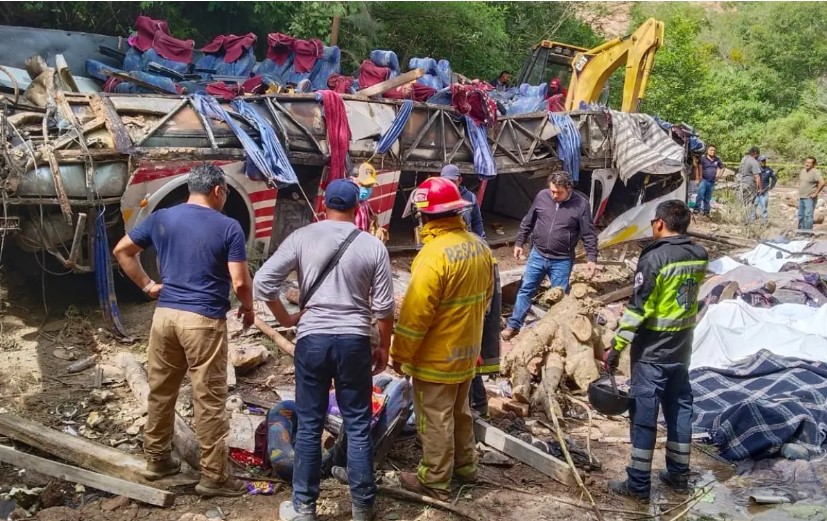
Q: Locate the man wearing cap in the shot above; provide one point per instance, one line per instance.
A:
(438, 337)
(490, 353)
(472, 216)
(333, 341)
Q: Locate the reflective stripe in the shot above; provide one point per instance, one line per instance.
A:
(463, 301)
(631, 318)
(433, 375)
(679, 458)
(683, 268)
(626, 335)
(669, 324)
(642, 454)
(410, 333)
(645, 466)
(488, 368)
(681, 448)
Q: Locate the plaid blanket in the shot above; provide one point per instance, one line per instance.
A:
(752, 409)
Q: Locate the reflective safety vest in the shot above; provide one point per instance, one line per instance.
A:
(660, 316)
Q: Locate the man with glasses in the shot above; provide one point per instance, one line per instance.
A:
(559, 218)
(201, 254)
(658, 324)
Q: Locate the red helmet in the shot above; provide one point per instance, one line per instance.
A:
(438, 195)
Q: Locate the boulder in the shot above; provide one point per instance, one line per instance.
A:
(245, 358)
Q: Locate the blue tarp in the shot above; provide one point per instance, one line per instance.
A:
(483, 159)
(568, 143)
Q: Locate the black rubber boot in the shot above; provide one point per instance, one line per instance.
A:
(677, 482)
(621, 488)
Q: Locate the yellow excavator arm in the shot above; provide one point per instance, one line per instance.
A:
(593, 68)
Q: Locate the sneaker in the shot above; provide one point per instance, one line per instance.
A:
(362, 513)
(161, 468)
(621, 488)
(677, 482)
(230, 487)
(508, 333)
(287, 512)
(410, 481)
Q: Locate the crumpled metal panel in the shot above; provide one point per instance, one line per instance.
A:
(110, 181)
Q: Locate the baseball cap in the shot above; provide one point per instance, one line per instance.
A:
(342, 195)
(762, 158)
(450, 172)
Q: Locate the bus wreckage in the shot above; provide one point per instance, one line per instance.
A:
(81, 167)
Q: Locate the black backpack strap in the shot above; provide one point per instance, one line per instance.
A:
(328, 268)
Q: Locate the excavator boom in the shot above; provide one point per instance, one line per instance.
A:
(592, 69)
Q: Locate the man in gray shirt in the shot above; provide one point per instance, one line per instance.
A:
(333, 342)
(749, 172)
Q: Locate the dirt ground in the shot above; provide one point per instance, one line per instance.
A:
(38, 341)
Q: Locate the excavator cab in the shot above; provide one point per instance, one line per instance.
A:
(549, 60)
(587, 71)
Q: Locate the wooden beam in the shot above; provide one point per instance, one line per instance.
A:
(80, 451)
(392, 83)
(618, 294)
(143, 493)
(103, 108)
(523, 452)
(280, 341)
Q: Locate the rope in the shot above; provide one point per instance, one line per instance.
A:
(568, 143)
(392, 134)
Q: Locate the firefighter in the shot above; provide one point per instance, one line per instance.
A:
(438, 336)
(658, 324)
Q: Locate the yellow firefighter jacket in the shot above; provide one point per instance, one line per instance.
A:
(440, 324)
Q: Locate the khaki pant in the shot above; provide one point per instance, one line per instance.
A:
(446, 428)
(181, 342)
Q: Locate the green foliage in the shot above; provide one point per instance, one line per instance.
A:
(744, 74)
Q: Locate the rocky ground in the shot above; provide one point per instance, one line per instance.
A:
(40, 338)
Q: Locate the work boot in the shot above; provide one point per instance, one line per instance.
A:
(469, 478)
(481, 412)
(508, 333)
(362, 513)
(621, 488)
(161, 468)
(287, 512)
(230, 487)
(677, 482)
(410, 481)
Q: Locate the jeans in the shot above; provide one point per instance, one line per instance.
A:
(346, 361)
(479, 398)
(702, 202)
(655, 386)
(762, 202)
(537, 267)
(806, 207)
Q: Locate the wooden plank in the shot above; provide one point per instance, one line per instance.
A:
(523, 452)
(143, 493)
(103, 108)
(81, 451)
(618, 294)
(60, 190)
(392, 83)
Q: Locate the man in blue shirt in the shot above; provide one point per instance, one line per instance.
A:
(707, 171)
(201, 252)
(768, 180)
(473, 217)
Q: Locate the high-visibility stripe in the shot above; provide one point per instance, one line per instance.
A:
(645, 466)
(626, 335)
(642, 454)
(680, 458)
(410, 333)
(669, 324)
(488, 368)
(462, 301)
(630, 318)
(680, 448)
(683, 268)
(449, 377)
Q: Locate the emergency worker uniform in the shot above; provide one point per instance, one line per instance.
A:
(658, 325)
(437, 342)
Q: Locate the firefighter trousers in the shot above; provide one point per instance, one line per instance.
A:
(655, 386)
(446, 428)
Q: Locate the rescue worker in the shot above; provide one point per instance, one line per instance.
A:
(438, 335)
(658, 324)
(489, 362)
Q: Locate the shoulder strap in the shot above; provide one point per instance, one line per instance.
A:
(328, 268)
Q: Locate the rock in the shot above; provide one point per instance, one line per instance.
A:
(59, 514)
(94, 419)
(18, 514)
(115, 503)
(520, 409)
(245, 358)
(234, 403)
(292, 295)
(580, 290)
(552, 296)
(496, 459)
(819, 215)
(189, 516)
(51, 496)
(581, 328)
(100, 396)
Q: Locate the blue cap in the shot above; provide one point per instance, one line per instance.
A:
(342, 195)
(762, 158)
(450, 172)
